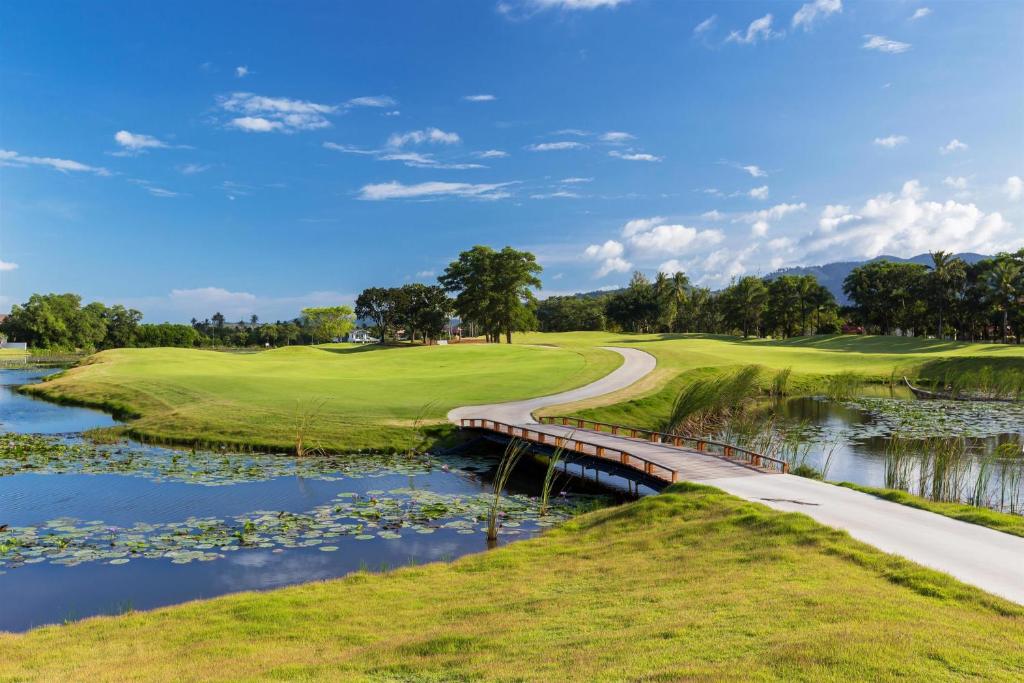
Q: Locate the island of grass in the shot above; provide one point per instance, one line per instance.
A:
(689, 584)
(351, 398)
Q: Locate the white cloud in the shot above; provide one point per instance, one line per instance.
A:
(892, 141)
(262, 114)
(559, 194)
(958, 183)
(479, 98)
(492, 154)
(904, 225)
(610, 255)
(634, 156)
(409, 158)
(760, 221)
(433, 136)
(575, 180)
(759, 192)
(159, 191)
(953, 145)
(572, 131)
(755, 171)
(555, 146)
(759, 228)
(638, 225)
(705, 26)
(883, 44)
(11, 158)
(7, 266)
(713, 215)
(920, 13)
(376, 101)
(396, 190)
(812, 11)
(241, 71)
(1014, 188)
(192, 169)
(137, 142)
(651, 236)
(759, 29)
(617, 136)
(255, 124)
(576, 4)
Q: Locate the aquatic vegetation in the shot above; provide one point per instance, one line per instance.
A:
(704, 405)
(780, 382)
(843, 386)
(921, 419)
(307, 413)
(513, 451)
(375, 515)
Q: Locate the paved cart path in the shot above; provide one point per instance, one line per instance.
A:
(988, 559)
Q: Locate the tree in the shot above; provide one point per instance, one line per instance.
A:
(328, 322)
(380, 305)
(569, 313)
(666, 302)
(494, 289)
(254, 320)
(57, 321)
(121, 326)
(946, 277)
(634, 308)
(423, 309)
(218, 322)
(745, 303)
(1004, 287)
(887, 295)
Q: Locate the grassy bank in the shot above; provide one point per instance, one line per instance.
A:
(1000, 521)
(349, 397)
(692, 583)
(681, 358)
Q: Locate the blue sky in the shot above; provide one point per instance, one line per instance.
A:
(190, 157)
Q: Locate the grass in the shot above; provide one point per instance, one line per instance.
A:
(682, 358)
(372, 397)
(690, 584)
(1000, 521)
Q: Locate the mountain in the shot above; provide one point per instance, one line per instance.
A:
(831, 275)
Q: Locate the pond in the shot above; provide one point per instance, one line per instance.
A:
(90, 529)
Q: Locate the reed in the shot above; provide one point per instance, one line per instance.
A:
(843, 386)
(780, 382)
(705, 405)
(307, 413)
(513, 451)
(1010, 459)
(550, 474)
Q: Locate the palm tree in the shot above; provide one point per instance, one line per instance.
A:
(1003, 287)
(947, 271)
(680, 288)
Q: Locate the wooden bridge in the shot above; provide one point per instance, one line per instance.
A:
(666, 457)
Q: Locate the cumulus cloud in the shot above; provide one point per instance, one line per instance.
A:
(634, 156)
(760, 221)
(759, 192)
(671, 240)
(1013, 188)
(241, 71)
(713, 215)
(260, 114)
(892, 141)
(953, 145)
(755, 171)
(610, 255)
(137, 142)
(434, 189)
(920, 13)
(759, 29)
(7, 266)
(555, 146)
(11, 158)
(958, 183)
(479, 98)
(809, 13)
(883, 44)
(904, 224)
(434, 136)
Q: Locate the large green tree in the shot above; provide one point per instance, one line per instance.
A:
(946, 277)
(381, 305)
(327, 323)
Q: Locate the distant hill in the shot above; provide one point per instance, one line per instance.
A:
(831, 275)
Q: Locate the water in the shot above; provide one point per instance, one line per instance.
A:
(91, 529)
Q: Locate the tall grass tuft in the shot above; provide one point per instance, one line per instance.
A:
(306, 416)
(550, 474)
(420, 421)
(780, 382)
(900, 457)
(513, 451)
(843, 386)
(705, 405)
(1010, 458)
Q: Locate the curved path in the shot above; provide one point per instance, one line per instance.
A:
(991, 560)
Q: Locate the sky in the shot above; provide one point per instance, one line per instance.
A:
(258, 157)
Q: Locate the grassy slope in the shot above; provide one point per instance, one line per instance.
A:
(649, 402)
(689, 584)
(373, 395)
(1000, 521)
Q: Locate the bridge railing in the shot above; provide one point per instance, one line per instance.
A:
(577, 445)
(703, 445)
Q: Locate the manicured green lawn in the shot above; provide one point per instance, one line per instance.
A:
(371, 396)
(691, 584)
(649, 402)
